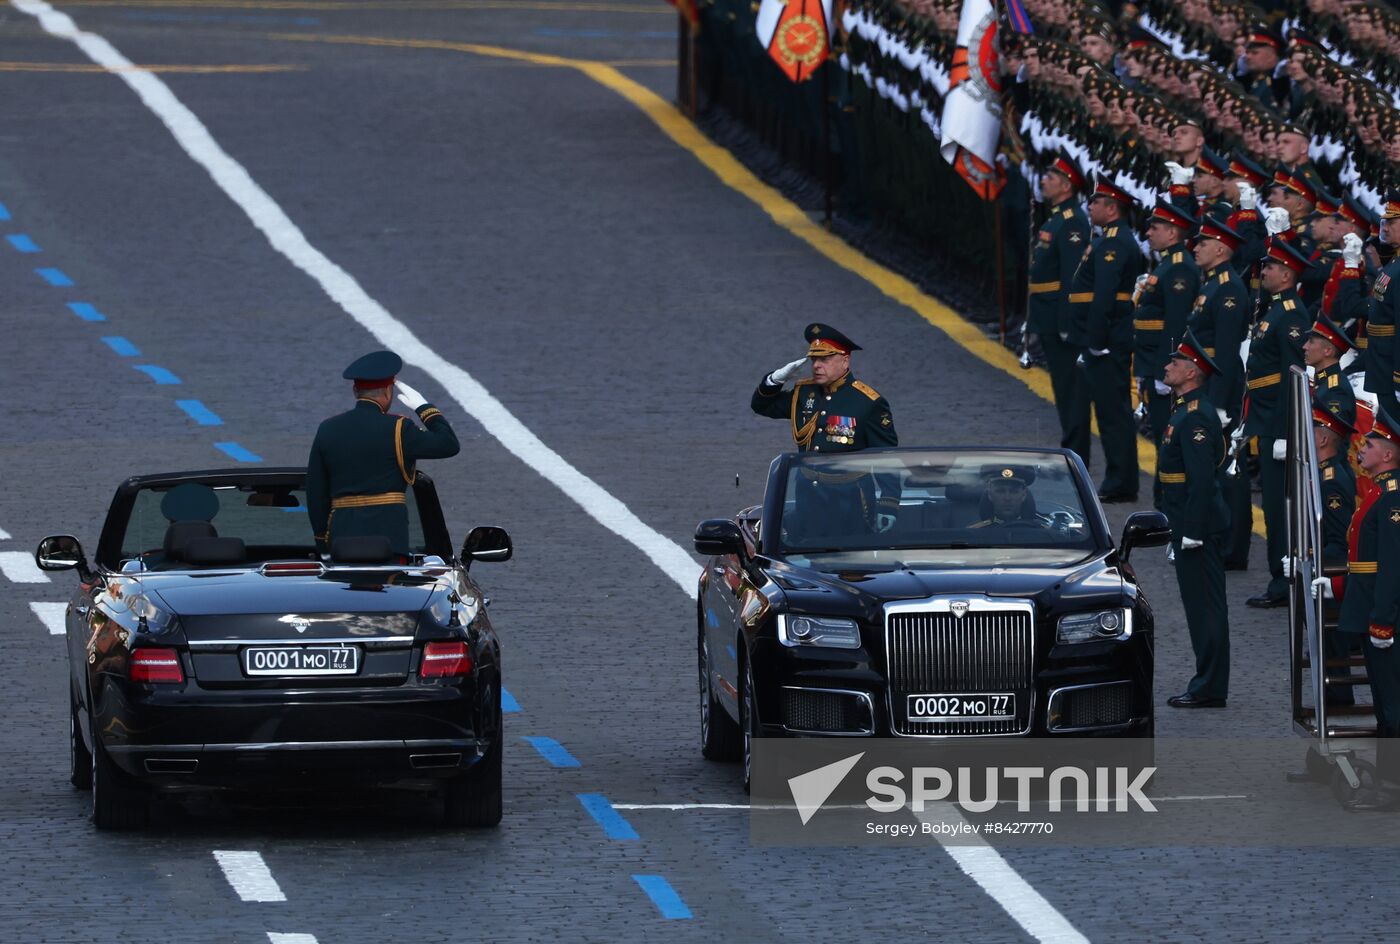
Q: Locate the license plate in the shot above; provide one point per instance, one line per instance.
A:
(301, 660)
(974, 707)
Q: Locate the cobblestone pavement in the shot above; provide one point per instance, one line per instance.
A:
(539, 231)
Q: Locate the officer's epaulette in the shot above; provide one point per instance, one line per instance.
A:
(1328, 474)
(1111, 231)
(1177, 257)
(1392, 485)
(1194, 404)
(1224, 276)
(1289, 304)
(1068, 214)
(1333, 381)
(866, 389)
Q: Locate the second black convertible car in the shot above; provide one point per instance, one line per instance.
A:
(923, 593)
(211, 646)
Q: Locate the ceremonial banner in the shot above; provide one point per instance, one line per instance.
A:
(972, 111)
(796, 34)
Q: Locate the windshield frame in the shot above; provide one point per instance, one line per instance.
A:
(775, 494)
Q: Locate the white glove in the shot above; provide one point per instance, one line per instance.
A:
(883, 523)
(1382, 643)
(1162, 389)
(1351, 251)
(1322, 586)
(785, 373)
(1098, 353)
(1249, 200)
(1138, 286)
(1180, 175)
(1191, 544)
(1280, 449)
(1288, 568)
(1275, 220)
(1224, 417)
(408, 396)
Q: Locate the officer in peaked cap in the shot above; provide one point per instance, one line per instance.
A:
(363, 460)
(1008, 503)
(1192, 453)
(832, 411)
(1384, 312)
(1371, 605)
(1322, 351)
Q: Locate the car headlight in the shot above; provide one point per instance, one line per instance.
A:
(1095, 627)
(830, 631)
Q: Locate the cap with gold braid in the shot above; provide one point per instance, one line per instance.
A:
(1103, 187)
(1165, 212)
(1243, 168)
(1385, 427)
(1192, 350)
(1391, 211)
(1322, 416)
(1282, 252)
(1213, 164)
(1328, 330)
(824, 341)
(1211, 228)
(1068, 168)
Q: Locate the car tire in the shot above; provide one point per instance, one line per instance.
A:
(473, 799)
(748, 724)
(79, 757)
(720, 736)
(118, 802)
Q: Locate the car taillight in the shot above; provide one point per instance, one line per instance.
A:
(442, 659)
(157, 666)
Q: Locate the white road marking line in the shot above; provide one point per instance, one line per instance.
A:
(19, 567)
(680, 807)
(234, 180)
(985, 866)
(277, 937)
(52, 615)
(249, 875)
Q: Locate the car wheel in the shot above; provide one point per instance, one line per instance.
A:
(474, 798)
(719, 733)
(748, 723)
(118, 802)
(79, 757)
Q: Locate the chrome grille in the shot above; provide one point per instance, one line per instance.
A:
(931, 651)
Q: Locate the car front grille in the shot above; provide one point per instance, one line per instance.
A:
(1095, 706)
(934, 652)
(826, 712)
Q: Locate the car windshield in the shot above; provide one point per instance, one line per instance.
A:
(270, 520)
(977, 507)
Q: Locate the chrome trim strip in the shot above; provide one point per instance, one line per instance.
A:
(1060, 729)
(976, 603)
(864, 696)
(204, 643)
(396, 744)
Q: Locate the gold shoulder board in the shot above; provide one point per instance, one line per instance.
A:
(1329, 474)
(1069, 214)
(1192, 405)
(1392, 485)
(866, 389)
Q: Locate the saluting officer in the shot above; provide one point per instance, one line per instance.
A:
(1059, 246)
(1101, 326)
(1276, 346)
(1381, 319)
(1371, 605)
(833, 411)
(1220, 321)
(1163, 304)
(363, 460)
(1193, 450)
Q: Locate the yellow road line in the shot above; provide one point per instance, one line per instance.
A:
(103, 70)
(781, 210)
(312, 6)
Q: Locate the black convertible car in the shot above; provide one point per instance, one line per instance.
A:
(210, 645)
(923, 593)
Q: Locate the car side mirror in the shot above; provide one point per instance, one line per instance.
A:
(61, 552)
(487, 543)
(719, 536)
(1144, 529)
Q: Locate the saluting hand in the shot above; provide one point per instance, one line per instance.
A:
(785, 373)
(1275, 220)
(408, 396)
(1180, 175)
(1351, 251)
(1249, 200)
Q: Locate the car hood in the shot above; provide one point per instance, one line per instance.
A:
(862, 593)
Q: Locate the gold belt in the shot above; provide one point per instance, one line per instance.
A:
(1210, 352)
(1267, 381)
(365, 501)
(1361, 567)
(1380, 331)
(1077, 297)
(1172, 478)
(1148, 324)
(1040, 288)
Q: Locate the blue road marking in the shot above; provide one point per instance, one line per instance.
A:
(159, 374)
(86, 311)
(22, 243)
(663, 896)
(603, 813)
(54, 277)
(552, 751)
(242, 455)
(122, 346)
(200, 413)
(4, 213)
(732, 653)
(508, 702)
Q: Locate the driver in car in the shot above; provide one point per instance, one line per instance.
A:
(1008, 502)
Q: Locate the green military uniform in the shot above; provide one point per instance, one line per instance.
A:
(1337, 487)
(1371, 605)
(1059, 246)
(1275, 347)
(1101, 326)
(363, 460)
(1380, 334)
(1188, 466)
(1334, 392)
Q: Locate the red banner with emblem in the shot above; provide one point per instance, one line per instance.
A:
(796, 34)
(972, 111)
